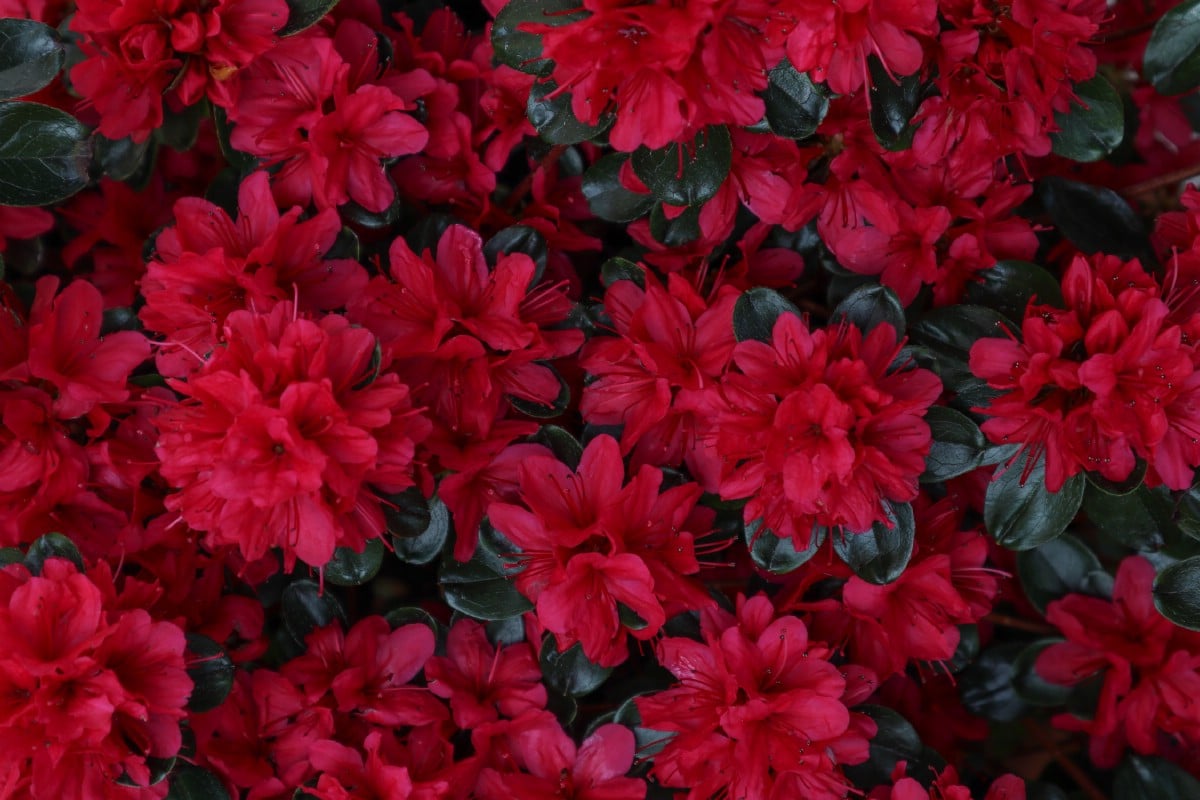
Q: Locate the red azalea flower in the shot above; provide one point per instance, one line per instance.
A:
(552, 767)
(589, 546)
(759, 711)
(671, 345)
(91, 689)
(1150, 668)
(280, 444)
(208, 265)
(821, 429)
(142, 51)
(345, 774)
(483, 682)
(945, 787)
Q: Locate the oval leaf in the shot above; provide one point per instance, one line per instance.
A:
(795, 104)
(1059, 567)
(1151, 778)
(779, 556)
(1032, 687)
(1095, 219)
(519, 49)
(687, 175)
(348, 568)
(193, 783)
(52, 545)
(1172, 59)
(31, 54)
(607, 197)
(880, 554)
(1095, 124)
(867, 306)
(425, 546)
(986, 687)
(570, 672)
(554, 120)
(44, 154)
(958, 445)
(304, 609)
(303, 14)
(477, 590)
(211, 671)
(893, 104)
(1008, 286)
(1024, 515)
(755, 312)
(1177, 593)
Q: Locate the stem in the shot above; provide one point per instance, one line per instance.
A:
(1159, 181)
(1085, 784)
(1020, 624)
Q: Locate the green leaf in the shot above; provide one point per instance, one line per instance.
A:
(426, 545)
(304, 609)
(607, 198)
(1008, 286)
(949, 333)
(1177, 593)
(677, 230)
(622, 269)
(570, 672)
(1057, 568)
(44, 154)
(1172, 59)
(517, 239)
(521, 50)
(1132, 520)
(1095, 124)
(52, 545)
(1031, 687)
(895, 740)
(958, 445)
(1152, 778)
(893, 105)
(303, 14)
(31, 54)
(554, 120)
(406, 514)
(986, 687)
(687, 175)
(479, 591)
(1022, 516)
(755, 312)
(1095, 219)
(566, 448)
(193, 783)
(348, 568)
(880, 554)
(777, 555)
(648, 741)
(211, 671)
(123, 158)
(795, 104)
(867, 306)
(409, 615)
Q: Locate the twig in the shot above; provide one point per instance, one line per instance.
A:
(1159, 181)
(1021, 624)
(1085, 784)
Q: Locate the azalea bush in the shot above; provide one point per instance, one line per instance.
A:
(707, 400)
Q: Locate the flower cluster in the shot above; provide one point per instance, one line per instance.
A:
(638, 400)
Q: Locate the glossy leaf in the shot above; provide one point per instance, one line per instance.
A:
(880, 554)
(1172, 58)
(795, 104)
(1022, 515)
(688, 174)
(755, 312)
(1094, 126)
(44, 154)
(31, 54)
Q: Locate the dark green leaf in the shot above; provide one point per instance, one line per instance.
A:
(521, 50)
(1094, 126)
(52, 545)
(159, 769)
(1177, 593)
(554, 120)
(1152, 778)
(570, 672)
(880, 554)
(986, 687)
(1058, 567)
(355, 214)
(1134, 520)
(409, 615)
(958, 445)
(123, 158)
(893, 105)
(967, 650)
(795, 105)
(895, 740)
(44, 154)
(1172, 59)
(867, 306)
(11, 555)
(181, 128)
(1032, 687)
(426, 545)
(648, 741)
(676, 230)
(303, 14)
(348, 568)
(607, 198)
(517, 239)
(1022, 516)
(1008, 286)
(566, 448)
(949, 333)
(622, 269)
(755, 312)
(31, 54)
(211, 671)
(304, 609)
(241, 163)
(777, 555)
(479, 591)
(687, 174)
(406, 514)
(1095, 219)
(193, 783)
